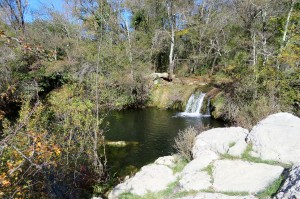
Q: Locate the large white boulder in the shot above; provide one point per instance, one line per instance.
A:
(217, 196)
(291, 187)
(221, 140)
(195, 181)
(206, 157)
(151, 178)
(241, 176)
(277, 138)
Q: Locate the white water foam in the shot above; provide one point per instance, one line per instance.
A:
(193, 107)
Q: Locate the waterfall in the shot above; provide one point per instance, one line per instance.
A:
(193, 107)
(207, 113)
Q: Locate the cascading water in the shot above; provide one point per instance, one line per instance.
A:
(207, 113)
(193, 107)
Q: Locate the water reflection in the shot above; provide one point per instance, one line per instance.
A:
(154, 130)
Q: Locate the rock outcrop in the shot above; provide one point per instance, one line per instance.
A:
(199, 163)
(291, 187)
(241, 176)
(195, 181)
(151, 178)
(169, 161)
(277, 138)
(221, 140)
(217, 196)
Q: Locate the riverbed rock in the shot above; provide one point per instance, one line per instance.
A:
(206, 157)
(195, 181)
(291, 187)
(277, 138)
(241, 176)
(221, 140)
(151, 178)
(217, 196)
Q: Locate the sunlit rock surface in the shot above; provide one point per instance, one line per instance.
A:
(241, 176)
(277, 138)
(221, 140)
(151, 178)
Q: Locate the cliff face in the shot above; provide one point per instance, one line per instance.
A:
(229, 163)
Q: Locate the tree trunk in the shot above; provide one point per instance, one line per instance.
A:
(287, 23)
(21, 15)
(254, 49)
(171, 55)
(264, 37)
(129, 51)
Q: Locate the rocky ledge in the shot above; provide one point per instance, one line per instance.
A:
(229, 163)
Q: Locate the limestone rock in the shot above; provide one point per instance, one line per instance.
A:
(291, 187)
(217, 196)
(166, 160)
(241, 176)
(277, 138)
(221, 140)
(195, 181)
(206, 157)
(151, 178)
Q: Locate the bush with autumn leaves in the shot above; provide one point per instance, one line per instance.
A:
(51, 138)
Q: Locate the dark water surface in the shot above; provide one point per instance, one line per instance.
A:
(150, 133)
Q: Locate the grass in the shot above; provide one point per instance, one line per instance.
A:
(271, 190)
(246, 156)
(180, 164)
(158, 195)
(235, 193)
(231, 144)
(209, 169)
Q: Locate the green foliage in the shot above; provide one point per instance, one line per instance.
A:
(209, 169)
(272, 189)
(169, 192)
(179, 165)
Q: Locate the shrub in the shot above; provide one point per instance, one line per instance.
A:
(184, 143)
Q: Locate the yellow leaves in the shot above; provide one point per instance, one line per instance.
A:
(182, 32)
(2, 115)
(57, 150)
(4, 181)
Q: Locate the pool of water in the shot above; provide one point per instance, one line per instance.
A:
(150, 134)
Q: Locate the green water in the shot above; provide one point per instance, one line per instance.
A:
(150, 133)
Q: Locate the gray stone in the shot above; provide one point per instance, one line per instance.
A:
(291, 187)
(151, 178)
(204, 159)
(195, 181)
(221, 140)
(217, 196)
(169, 161)
(277, 138)
(241, 176)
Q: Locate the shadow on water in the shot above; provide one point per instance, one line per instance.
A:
(149, 134)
